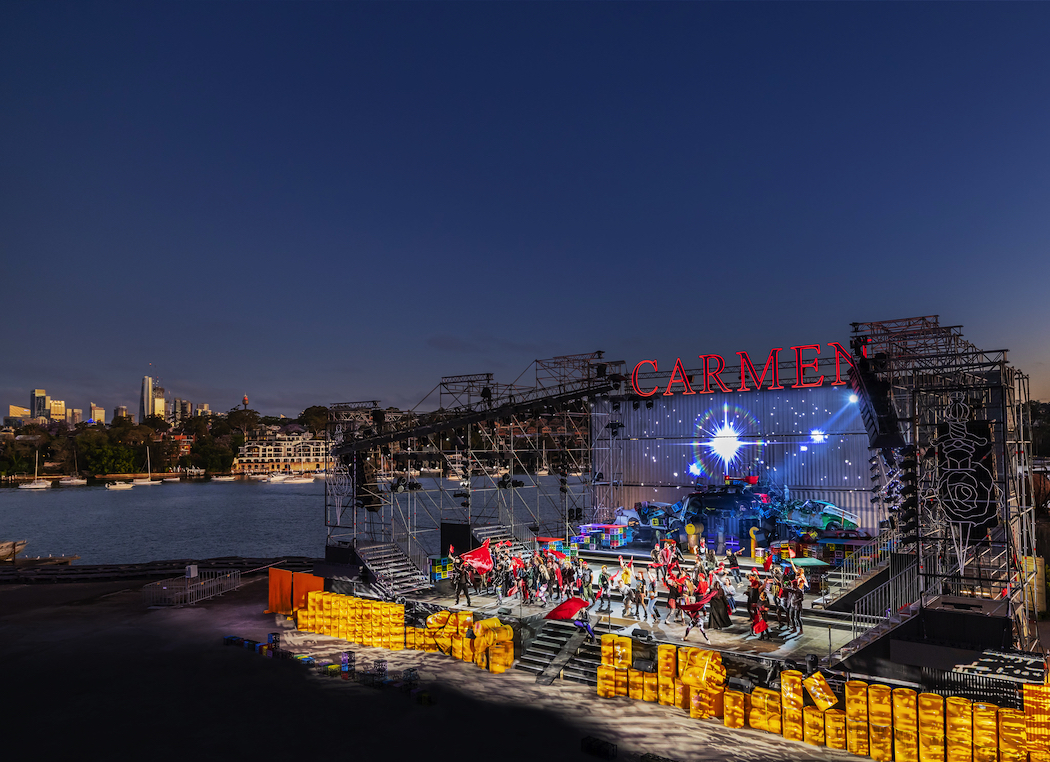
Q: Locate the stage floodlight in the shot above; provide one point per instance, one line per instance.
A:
(648, 404)
(635, 404)
(854, 399)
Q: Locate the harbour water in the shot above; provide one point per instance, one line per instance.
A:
(205, 519)
(169, 521)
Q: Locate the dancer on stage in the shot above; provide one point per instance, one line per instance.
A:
(734, 565)
(604, 580)
(459, 578)
(758, 622)
(587, 584)
(719, 618)
(695, 612)
(651, 595)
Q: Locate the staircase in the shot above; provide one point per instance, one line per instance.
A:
(882, 610)
(865, 562)
(499, 533)
(394, 572)
(547, 644)
(583, 666)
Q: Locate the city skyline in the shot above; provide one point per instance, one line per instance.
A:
(314, 203)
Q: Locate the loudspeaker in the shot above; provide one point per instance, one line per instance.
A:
(876, 408)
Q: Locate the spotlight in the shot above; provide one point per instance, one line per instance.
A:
(634, 405)
(854, 399)
(648, 404)
(517, 483)
(616, 406)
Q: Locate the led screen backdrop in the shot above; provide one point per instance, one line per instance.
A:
(811, 441)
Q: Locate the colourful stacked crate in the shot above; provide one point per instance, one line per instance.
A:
(440, 568)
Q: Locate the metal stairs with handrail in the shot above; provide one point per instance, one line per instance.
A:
(393, 570)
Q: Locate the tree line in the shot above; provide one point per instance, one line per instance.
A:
(122, 446)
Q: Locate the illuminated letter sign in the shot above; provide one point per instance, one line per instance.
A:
(678, 377)
(634, 379)
(708, 373)
(771, 364)
(840, 352)
(800, 367)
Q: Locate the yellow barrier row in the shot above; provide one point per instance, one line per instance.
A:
(888, 725)
(380, 624)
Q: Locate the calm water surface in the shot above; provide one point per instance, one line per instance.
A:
(169, 521)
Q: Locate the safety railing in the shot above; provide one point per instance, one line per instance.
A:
(862, 561)
(185, 591)
(888, 602)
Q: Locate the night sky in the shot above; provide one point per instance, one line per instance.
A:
(319, 202)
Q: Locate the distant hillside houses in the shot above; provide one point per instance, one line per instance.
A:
(271, 449)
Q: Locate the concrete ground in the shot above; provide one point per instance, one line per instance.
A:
(89, 670)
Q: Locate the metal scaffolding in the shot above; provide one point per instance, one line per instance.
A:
(960, 404)
(517, 455)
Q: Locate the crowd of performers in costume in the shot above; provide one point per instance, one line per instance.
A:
(698, 595)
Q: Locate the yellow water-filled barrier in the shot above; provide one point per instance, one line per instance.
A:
(835, 729)
(1012, 742)
(985, 733)
(735, 708)
(958, 714)
(931, 727)
(818, 689)
(813, 725)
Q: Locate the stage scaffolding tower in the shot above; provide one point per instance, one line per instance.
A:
(958, 404)
(517, 455)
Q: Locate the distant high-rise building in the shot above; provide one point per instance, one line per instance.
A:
(58, 410)
(39, 404)
(74, 416)
(202, 409)
(98, 414)
(120, 411)
(180, 410)
(146, 398)
(17, 411)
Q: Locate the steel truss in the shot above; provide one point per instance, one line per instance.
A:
(938, 378)
(478, 459)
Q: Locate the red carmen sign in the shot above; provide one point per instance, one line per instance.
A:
(714, 365)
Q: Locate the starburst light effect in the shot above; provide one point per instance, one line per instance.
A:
(727, 441)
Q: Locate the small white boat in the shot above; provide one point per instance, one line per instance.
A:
(119, 485)
(73, 480)
(298, 480)
(37, 482)
(223, 478)
(276, 478)
(258, 477)
(148, 481)
(171, 479)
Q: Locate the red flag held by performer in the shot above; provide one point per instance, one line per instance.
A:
(479, 559)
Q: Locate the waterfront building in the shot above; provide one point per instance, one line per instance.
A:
(74, 416)
(268, 449)
(97, 413)
(39, 404)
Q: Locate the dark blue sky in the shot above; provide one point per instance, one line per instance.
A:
(313, 202)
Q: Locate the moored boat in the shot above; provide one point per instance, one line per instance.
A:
(119, 485)
(37, 482)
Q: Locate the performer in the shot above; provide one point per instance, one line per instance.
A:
(673, 592)
(583, 621)
(734, 565)
(656, 560)
(587, 584)
(719, 618)
(730, 591)
(794, 606)
(754, 591)
(651, 596)
(758, 622)
(604, 580)
(459, 577)
(695, 612)
(626, 573)
(632, 597)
